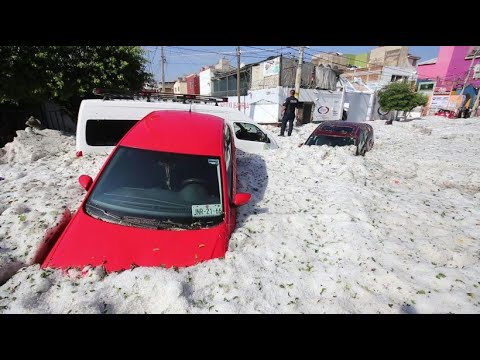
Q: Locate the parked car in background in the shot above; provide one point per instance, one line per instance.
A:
(336, 133)
(446, 113)
(166, 196)
(102, 123)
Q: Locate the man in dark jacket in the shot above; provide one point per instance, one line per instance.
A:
(289, 113)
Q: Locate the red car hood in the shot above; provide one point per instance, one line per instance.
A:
(89, 241)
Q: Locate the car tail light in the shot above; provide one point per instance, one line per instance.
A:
(79, 153)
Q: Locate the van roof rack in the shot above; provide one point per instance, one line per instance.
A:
(155, 95)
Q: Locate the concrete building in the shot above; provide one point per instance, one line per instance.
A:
(337, 61)
(168, 86)
(357, 60)
(386, 64)
(180, 86)
(280, 71)
(209, 72)
(449, 69)
(443, 78)
(395, 56)
(193, 84)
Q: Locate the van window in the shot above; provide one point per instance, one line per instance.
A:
(249, 132)
(107, 132)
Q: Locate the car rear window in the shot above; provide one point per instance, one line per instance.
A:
(342, 129)
(330, 140)
(107, 132)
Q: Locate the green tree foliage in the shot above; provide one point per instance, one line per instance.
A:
(67, 74)
(400, 97)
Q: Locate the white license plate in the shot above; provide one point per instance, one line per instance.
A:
(206, 210)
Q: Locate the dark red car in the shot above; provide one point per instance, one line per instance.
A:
(343, 133)
(166, 196)
(446, 113)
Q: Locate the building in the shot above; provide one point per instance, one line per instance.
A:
(385, 64)
(396, 56)
(281, 71)
(265, 85)
(180, 86)
(225, 84)
(209, 72)
(443, 78)
(448, 71)
(357, 61)
(337, 61)
(169, 85)
(193, 84)
(205, 81)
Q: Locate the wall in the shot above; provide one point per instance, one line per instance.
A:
(450, 68)
(226, 85)
(388, 71)
(359, 60)
(205, 80)
(377, 55)
(289, 73)
(180, 87)
(262, 106)
(260, 81)
(193, 84)
(265, 105)
(331, 59)
(458, 67)
(371, 74)
(360, 106)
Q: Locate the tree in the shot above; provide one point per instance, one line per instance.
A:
(400, 97)
(67, 74)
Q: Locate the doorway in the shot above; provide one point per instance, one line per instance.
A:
(305, 112)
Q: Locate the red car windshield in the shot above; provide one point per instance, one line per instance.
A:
(159, 190)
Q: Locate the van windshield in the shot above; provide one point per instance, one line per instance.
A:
(159, 190)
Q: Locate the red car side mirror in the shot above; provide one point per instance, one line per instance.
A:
(85, 181)
(241, 199)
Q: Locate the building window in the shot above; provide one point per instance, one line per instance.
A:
(396, 78)
(476, 71)
(426, 86)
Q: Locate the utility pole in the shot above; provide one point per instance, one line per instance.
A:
(469, 70)
(298, 78)
(163, 69)
(238, 76)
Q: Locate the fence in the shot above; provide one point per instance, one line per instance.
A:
(13, 118)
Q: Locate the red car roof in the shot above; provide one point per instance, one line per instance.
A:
(338, 128)
(180, 132)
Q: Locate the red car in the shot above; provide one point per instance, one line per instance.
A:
(166, 196)
(446, 113)
(343, 133)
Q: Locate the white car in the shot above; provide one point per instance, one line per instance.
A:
(102, 123)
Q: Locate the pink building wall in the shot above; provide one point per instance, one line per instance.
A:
(450, 69)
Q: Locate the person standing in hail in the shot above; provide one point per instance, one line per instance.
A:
(289, 113)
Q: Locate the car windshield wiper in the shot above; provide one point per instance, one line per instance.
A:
(168, 224)
(122, 220)
(105, 212)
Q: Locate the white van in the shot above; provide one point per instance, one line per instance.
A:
(102, 123)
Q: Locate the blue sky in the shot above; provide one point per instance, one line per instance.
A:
(184, 60)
